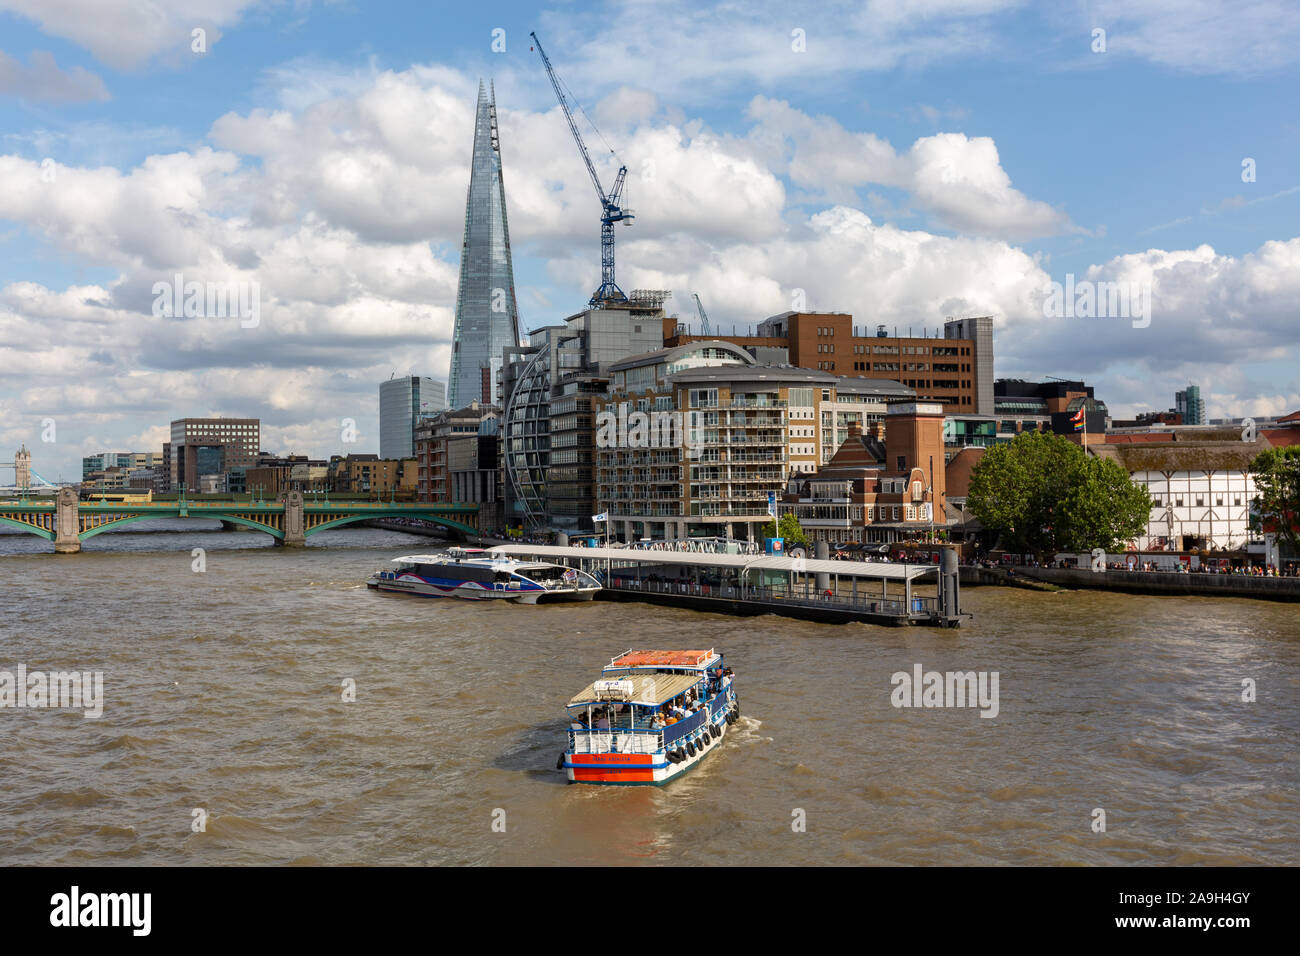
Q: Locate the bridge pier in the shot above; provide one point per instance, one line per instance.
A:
(295, 534)
(67, 525)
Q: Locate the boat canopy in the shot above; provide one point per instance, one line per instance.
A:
(449, 558)
(697, 659)
(650, 690)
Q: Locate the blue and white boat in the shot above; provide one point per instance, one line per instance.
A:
(478, 575)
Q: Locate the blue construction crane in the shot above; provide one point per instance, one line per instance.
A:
(611, 205)
(704, 316)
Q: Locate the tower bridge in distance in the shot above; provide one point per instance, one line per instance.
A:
(68, 521)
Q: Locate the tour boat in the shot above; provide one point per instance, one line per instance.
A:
(477, 575)
(650, 717)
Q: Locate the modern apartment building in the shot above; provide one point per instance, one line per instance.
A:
(211, 446)
(434, 451)
(700, 440)
(953, 367)
(403, 403)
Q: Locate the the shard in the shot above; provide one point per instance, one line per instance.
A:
(487, 317)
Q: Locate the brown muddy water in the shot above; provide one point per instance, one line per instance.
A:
(223, 692)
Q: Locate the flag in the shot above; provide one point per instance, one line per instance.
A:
(1078, 418)
(603, 516)
(771, 504)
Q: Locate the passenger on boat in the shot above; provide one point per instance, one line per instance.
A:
(602, 722)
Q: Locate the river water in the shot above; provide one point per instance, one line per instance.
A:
(223, 694)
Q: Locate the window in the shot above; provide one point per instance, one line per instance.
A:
(1200, 502)
(902, 462)
(1178, 502)
(1155, 502)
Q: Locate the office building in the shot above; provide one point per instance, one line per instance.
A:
(403, 403)
(548, 388)
(953, 367)
(487, 316)
(210, 446)
(1189, 405)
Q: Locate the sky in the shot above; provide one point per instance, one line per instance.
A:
(901, 161)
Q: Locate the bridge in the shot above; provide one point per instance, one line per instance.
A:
(68, 521)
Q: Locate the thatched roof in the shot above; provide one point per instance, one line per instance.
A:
(1184, 455)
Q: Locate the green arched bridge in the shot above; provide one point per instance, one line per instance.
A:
(67, 521)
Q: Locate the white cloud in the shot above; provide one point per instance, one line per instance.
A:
(127, 33)
(1202, 36)
(44, 81)
(959, 180)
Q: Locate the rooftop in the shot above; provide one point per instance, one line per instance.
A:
(663, 659)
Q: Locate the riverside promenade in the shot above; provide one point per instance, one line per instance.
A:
(1140, 582)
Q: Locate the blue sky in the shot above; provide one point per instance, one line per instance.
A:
(910, 161)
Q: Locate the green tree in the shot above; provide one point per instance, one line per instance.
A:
(789, 528)
(1043, 494)
(1277, 493)
(1103, 508)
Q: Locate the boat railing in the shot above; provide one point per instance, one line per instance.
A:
(615, 740)
(804, 598)
(687, 725)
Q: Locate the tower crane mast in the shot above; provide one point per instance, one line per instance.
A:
(704, 316)
(611, 203)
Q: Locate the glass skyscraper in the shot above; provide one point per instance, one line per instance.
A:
(1190, 405)
(487, 318)
(402, 403)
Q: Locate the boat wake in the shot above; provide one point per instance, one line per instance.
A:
(746, 731)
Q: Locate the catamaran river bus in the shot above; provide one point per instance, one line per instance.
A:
(650, 717)
(478, 575)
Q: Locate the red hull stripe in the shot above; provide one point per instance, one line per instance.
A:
(593, 776)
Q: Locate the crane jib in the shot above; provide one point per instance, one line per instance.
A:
(612, 210)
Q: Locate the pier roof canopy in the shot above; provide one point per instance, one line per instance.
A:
(708, 559)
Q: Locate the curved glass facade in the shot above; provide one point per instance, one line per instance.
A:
(526, 424)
